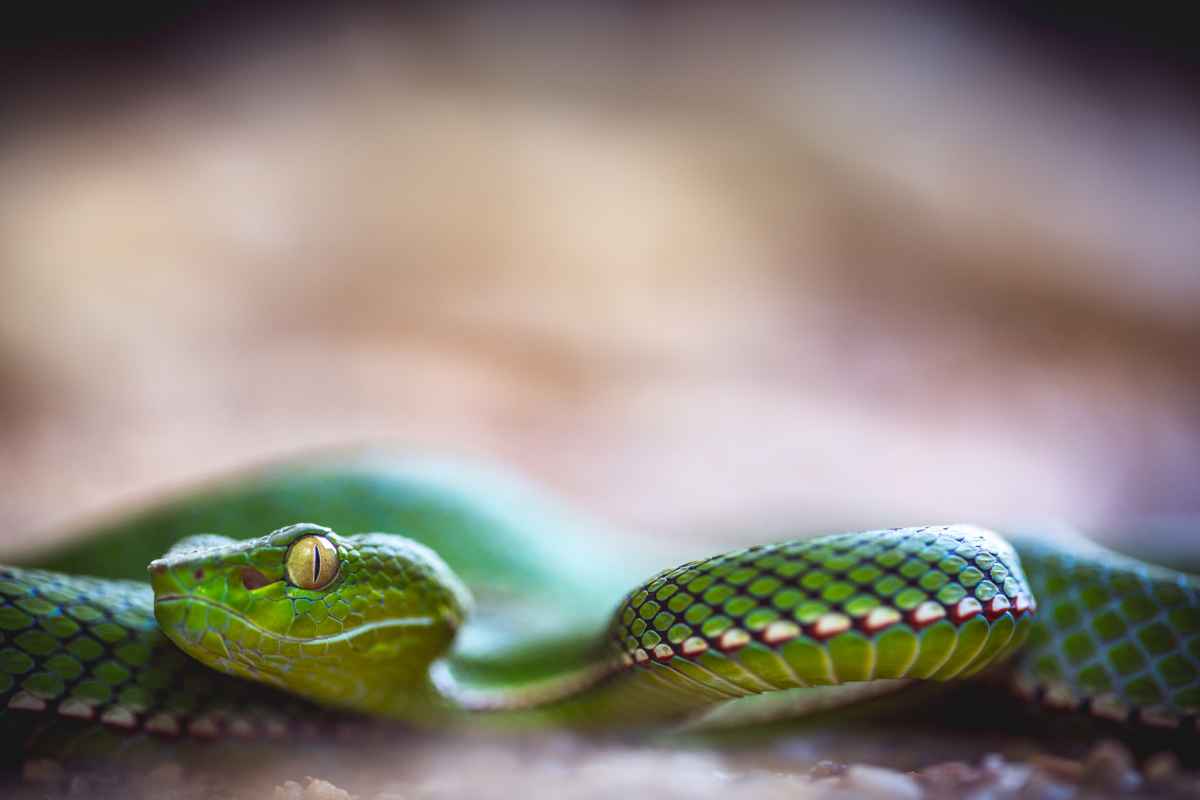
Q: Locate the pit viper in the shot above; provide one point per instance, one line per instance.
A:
(427, 592)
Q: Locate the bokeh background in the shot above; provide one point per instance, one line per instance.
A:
(714, 273)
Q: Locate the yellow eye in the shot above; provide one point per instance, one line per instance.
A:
(312, 562)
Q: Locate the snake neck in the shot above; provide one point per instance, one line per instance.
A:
(875, 608)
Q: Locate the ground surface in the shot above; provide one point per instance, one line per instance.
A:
(559, 766)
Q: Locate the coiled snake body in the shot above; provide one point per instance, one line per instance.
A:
(482, 602)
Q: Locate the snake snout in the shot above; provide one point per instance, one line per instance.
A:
(164, 581)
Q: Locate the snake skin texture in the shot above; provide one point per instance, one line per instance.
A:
(89, 650)
(932, 603)
(492, 607)
(1118, 638)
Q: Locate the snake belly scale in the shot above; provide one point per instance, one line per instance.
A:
(483, 603)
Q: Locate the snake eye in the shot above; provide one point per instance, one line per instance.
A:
(312, 562)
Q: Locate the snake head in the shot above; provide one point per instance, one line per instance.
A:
(347, 621)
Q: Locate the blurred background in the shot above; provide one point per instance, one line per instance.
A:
(723, 274)
(703, 270)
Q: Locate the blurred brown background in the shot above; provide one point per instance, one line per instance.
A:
(724, 274)
(702, 271)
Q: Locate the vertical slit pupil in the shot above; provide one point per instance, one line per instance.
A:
(316, 562)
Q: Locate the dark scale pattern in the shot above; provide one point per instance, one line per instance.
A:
(844, 590)
(1117, 636)
(89, 649)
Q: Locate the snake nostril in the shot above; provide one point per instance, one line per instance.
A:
(253, 579)
(198, 574)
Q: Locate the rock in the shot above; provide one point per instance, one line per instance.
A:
(1062, 769)
(881, 782)
(290, 790)
(1110, 765)
(957, 779)
(1042, 787)
(1161, 767)
(314, 789)
(825, 769)
(951, 773)
(42, 771)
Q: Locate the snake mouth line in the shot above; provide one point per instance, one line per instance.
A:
(385, 624)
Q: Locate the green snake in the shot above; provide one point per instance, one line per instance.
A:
(442, 596)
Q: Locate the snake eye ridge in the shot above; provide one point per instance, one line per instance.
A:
(312, 562)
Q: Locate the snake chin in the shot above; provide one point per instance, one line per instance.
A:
(228, 641)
